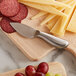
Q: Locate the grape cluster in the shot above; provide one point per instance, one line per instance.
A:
(41, 70)
(30, 70)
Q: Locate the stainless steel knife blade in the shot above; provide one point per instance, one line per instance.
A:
(24, 30)
(29, 32)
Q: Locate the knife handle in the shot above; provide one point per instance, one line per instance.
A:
(55, 41)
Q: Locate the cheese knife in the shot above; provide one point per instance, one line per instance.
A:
(30, 32)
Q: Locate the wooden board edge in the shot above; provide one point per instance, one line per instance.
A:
(57, 65)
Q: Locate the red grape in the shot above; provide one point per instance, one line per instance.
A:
(39, 74)
(30, 70)
(43, 67)
(19, 74)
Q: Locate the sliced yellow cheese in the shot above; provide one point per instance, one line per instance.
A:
(43, 13)
(68, 1)
(39, 15)
(48, 2)
(72, 25)
(60, 29)
(52, 22)
(61, 0)
(46, 8)
(65, 1)
(56, 27)
(49, 17)
(72, 3)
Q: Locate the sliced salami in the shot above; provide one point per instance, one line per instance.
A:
(5, 25)
(0, 20)
(1, 1)
(9, 7)
(22, 13)
(0, 23)
(1, 15)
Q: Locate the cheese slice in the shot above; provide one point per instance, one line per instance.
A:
(60, 29)
(46, 8)
(52, 22)
(50, 16)
(39, 15)
(65, 1)
(43, 13)
(48, 2)
(68, 1)
(61, 0)
(72, 3)
(56, 27)
(72, 25)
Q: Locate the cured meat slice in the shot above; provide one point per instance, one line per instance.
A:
(0, 23)
(1, 1)
(9, 7)
(5, 25)
(22, 13)
(1, 15)
(0, 20)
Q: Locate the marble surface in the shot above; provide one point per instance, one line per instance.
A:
(11, 58)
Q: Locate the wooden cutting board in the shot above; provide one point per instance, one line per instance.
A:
(56, 68)
(37, 48)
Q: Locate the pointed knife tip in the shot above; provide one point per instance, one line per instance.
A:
(11, 23)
